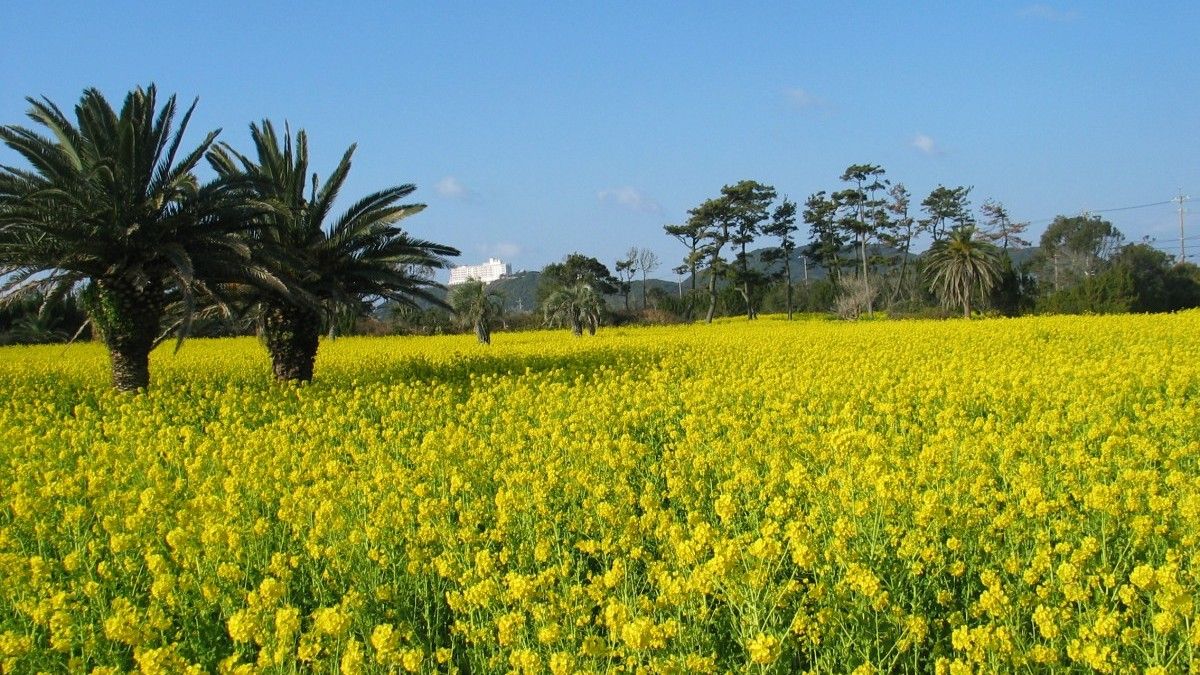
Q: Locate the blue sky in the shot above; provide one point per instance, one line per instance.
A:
(536, 129)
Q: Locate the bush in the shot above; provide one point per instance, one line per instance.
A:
(854, 298)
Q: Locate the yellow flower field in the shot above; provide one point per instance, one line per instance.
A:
(998, 495)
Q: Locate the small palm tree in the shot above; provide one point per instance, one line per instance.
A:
(334, 266)
(477, 307)
(580, 305)
(960, 267)
(109, 208)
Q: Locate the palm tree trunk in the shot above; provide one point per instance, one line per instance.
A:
(483, 332)
(291, 334)
(128, 319)
(130, 367)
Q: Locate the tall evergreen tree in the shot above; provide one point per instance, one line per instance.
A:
(783, 226)
(826, 241)
(713, 218)
(626, 268)
(902, 228)
(748, 204)
(947, 208)
(999, 227)
(862, 212)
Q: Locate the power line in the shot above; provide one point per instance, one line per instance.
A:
(1117, 208)
(1181, 199)
(1130, 208)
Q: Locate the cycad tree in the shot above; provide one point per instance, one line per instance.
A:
(578, 305)
(476, 307)
(334, 264)
(960, 267)
(109, 206)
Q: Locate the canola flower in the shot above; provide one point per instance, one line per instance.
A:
(1001, 495)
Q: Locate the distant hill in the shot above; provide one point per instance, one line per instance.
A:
(520, 291)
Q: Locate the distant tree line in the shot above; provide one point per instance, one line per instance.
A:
(860, 240)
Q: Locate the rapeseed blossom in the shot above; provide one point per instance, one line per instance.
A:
(955, 497)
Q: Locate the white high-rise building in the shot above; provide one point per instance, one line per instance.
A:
(488, 272)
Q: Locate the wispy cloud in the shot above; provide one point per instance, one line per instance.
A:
(1046, 12)
(926, 145)
(503, 250)
(803, 99)
(451, 188)
(630, 198)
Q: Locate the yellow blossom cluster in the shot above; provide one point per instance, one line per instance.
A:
(768, 496)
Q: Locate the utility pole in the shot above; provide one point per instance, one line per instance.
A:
(1180, 200)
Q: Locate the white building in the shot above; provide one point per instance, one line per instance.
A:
(488, 272)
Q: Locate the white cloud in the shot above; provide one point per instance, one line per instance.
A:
(926, 144)
(451, 188)
(1048, 13)
(803, 99)
(630, 198)
(503, 250)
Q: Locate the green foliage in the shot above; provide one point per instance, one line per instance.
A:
(1016, 290)
(408, 320)
(999, 227)
(692, 235)
(35, 319)
(734, 218)
(827, 240)
(578, 305)
(576, 268)
(947, 209)
(1139, 278)
(332, 264)
(476, 307)
(335, 268)
(782, 225)
(110, 200)
(1111, 292)
(1074, 248)
(960, 267)
(626, 268)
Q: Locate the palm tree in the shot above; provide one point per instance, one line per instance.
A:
(474, 305)
(580, 305)
(109, 208)
(961, 266)
(335, 266)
